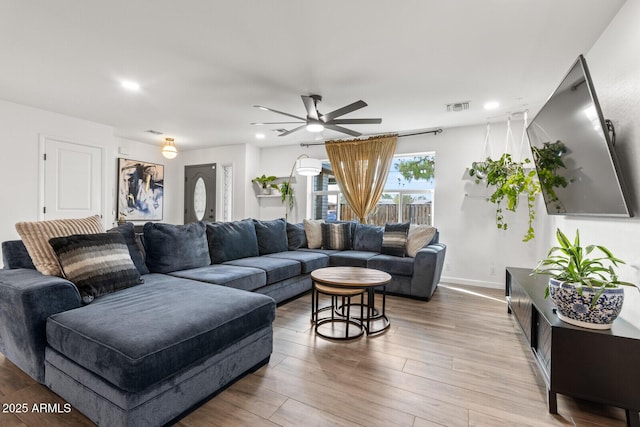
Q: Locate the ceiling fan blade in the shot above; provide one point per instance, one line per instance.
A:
(355, 122)
(342, 111)
(343, 130)
(273, 123)
(310, 105)
(292, 130)
(280, 112)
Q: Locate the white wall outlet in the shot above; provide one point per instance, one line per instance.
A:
(492, 271)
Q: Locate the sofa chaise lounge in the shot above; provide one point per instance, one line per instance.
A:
(203, 317)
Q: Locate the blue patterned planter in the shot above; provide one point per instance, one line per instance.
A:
(576, 309)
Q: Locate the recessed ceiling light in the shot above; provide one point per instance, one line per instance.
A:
(129, 85)
(260, 135)
(491, 105)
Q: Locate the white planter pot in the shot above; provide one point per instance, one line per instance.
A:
(576, 309)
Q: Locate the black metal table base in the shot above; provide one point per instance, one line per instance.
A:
(366, 323)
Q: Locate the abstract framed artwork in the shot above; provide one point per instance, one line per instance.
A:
(140, 190)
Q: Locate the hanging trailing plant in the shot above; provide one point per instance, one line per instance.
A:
(510, 179)
(549, 161)
(286, 192)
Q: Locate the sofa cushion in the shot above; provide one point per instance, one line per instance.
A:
(141, 335)
(313, 231)
(245, 278)
(232, 240)
(308, 260)
(276, 268)
(367, 238)
(418, 237)
(15, 255)
(36, 235)
(271, 235)
(327, 252)
(175, 247)
(394, 239)
(402, 266)
(97, 264)
(296, 237)
(351, 258)
(137, 255)
(336, 236)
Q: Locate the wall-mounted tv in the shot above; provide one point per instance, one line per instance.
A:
(573, 151)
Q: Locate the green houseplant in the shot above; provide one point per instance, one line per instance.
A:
(549, 163)
(583, 284)
(265, 183)
(510, 179)
(287, 196)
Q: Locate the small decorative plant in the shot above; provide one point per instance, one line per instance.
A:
(266, 182)
(571, 263)
(510, 179)
(286, 192)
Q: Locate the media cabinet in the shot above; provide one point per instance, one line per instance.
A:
(599, 366)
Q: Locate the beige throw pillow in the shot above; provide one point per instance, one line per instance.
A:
(313, 231)
(36, 234)
(419, 235)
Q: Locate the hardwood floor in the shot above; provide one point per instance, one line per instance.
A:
(458, 360)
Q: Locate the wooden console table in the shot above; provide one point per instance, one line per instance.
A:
(600, 366)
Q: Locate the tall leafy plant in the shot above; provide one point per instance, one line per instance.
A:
(509, 179)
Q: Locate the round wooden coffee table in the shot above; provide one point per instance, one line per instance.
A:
(337, 281)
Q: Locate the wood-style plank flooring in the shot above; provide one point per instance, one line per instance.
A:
(459, 360)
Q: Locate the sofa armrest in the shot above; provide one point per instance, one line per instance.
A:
(427, 269)
(27, 299)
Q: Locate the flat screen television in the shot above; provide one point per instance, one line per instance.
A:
(573, 151)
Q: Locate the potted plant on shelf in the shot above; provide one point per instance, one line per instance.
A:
(583, 286)
(265, 183)
(510, 179)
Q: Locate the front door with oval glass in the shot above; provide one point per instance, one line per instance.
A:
(200, 193)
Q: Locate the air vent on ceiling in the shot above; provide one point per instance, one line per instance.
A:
(155, 132)
(458, 106)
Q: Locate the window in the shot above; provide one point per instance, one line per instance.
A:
(227, 192)
(407, 196)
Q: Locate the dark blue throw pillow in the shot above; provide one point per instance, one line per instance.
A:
(137, 255)
(175, 247)
(272, 236)
(231, 240)
(368, 238)
(296, 236)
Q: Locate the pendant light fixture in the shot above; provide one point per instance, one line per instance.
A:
(169, 149)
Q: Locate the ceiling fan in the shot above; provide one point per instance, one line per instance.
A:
(317, 122)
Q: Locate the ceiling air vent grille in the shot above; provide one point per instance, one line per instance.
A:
(458, 106)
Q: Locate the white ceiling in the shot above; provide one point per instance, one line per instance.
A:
(203, 64)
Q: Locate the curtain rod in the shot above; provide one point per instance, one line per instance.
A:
(434, 132)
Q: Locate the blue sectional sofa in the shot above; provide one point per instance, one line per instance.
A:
(144, 355)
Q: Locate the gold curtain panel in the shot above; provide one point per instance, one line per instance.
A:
(361, 167)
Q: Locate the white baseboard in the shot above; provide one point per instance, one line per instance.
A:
(471, 282)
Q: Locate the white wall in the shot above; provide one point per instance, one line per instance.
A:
(615, 70)
(21, 129)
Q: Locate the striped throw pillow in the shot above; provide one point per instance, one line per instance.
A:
(394, 239)
(97, 264)
(36, 235)
(336, 236)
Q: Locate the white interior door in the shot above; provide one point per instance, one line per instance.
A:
(72, 180)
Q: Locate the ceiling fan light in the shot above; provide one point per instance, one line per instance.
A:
(315, 127)
(169, 149)
(308, 166)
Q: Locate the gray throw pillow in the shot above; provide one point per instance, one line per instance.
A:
(232, 240)
(175, 247)
(97, 264)
(271, 235)
(394, 239)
